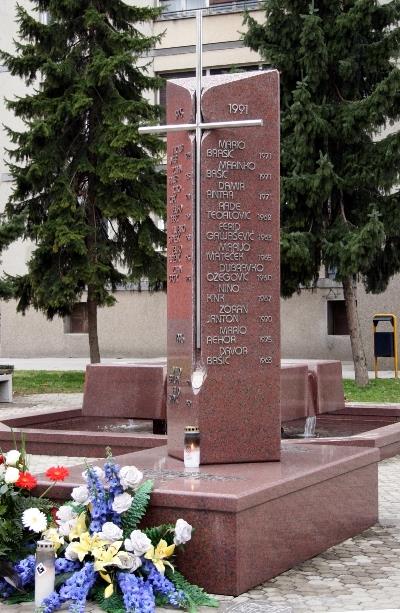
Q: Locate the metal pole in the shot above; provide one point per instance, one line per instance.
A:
(199, 77)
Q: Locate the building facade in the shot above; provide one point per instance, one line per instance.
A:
(313, 321)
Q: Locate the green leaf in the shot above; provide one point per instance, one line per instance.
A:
(140, 502)
(195, 596)
(62, 578)
(165, 531)
(20, 597)
(114, 604)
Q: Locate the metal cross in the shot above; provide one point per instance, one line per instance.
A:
(198, 126)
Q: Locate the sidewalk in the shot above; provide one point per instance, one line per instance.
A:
(71, 363)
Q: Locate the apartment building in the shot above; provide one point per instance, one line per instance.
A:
(313, 321)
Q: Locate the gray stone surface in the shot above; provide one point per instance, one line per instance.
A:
(259, 606)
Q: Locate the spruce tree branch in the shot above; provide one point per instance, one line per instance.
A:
(339, 94)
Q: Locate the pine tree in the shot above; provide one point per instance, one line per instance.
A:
(86, 187)
(340, 87)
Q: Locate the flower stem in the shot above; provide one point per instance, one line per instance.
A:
(46, 491)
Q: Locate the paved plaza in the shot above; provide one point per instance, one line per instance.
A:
(360, 574)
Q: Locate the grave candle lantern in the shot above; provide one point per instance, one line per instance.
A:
(191, 455)
(44, 571)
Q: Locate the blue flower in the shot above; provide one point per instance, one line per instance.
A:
(163, 586)
(111, 472)
(63, 565)
(51, 603)
(98, 498)
(77, 587)
(25, 569)
(5, 589)
(137, 594)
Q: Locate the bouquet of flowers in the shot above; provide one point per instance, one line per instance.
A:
(22, 516)
(102, 554)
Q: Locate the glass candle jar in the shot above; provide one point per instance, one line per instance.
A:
(191, 450)
(44, 571)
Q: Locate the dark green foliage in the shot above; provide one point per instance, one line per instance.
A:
(15, 541)
(114, 604)
(11, 534)
(340, 87)
(86, 189)
(165, 532)
(19, 597)
(140, 502)
(22, 503)
(195, 596)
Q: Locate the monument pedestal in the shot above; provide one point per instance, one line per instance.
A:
(254, 521)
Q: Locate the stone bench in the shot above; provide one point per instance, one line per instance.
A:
(325, 385)
(294, 391)
(136, 391)
(6, 393)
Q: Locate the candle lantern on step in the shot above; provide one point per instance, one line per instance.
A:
(191, 454)
(44, 571)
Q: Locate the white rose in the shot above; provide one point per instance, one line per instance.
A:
(138, 542)
(96, 469)
(34, 519)
(11, 475)
(130, 476)
(127, 561)
(183, 532)
(110, 532)
(80, 494)
(70, 554)
(2, 470)
(12, 457)
(65, 527)
(122, 503)
(66, 513)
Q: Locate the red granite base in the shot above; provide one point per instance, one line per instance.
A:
(125, 390)
(67, 432)
(254, 521)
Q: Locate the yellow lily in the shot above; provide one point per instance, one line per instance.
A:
(86, 544)
(106, 556)
(158, 555)
(109, 590)
(52, 535)
(79, 528)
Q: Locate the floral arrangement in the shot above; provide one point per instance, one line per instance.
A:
(22, 516)
(102, 555)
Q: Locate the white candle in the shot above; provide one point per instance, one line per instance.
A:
(191, 456)
(44, 571)
(191, 447)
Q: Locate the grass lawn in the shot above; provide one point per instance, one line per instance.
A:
(64, 382)
(378, 390)
(47, 381)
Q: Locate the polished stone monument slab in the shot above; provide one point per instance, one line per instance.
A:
(256, 520)
(229, 375)
(125, 390)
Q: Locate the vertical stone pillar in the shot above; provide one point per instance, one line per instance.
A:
(237, 406)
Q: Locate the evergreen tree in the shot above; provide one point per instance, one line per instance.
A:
(86, 188)
(340, 87)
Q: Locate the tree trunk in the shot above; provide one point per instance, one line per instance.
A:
(92, 327)
(357, 347)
